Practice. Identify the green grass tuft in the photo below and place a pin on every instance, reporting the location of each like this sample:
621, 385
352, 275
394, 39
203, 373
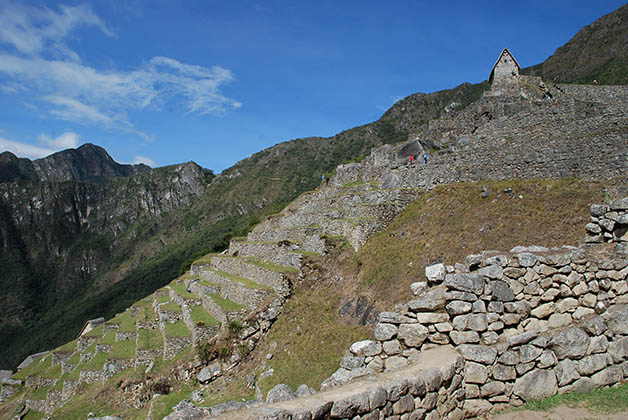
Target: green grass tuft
226, 304
124, 349
200, 315
177, 329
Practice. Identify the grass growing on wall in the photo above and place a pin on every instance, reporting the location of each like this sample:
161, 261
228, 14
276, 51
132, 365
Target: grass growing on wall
601, 400
453, 221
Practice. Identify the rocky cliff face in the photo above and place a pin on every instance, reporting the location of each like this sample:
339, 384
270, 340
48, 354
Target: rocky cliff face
65, 238
87, 163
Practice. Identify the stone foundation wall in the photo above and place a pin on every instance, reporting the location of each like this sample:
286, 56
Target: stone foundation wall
60, 358
92, 376
173, 345
252, 272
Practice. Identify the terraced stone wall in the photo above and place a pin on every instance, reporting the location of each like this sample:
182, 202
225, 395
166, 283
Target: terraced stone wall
581, 133
529, 323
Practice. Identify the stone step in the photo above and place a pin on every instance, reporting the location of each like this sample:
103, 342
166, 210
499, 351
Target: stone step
262, 273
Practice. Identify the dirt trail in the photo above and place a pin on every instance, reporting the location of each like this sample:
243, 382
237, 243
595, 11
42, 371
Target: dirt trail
558, 413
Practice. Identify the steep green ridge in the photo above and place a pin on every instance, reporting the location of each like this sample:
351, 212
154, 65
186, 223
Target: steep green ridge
59, 271
598, 51
49, 293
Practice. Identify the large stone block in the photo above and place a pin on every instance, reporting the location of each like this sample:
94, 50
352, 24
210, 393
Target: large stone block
478, 353
571, 343
412, 334
616, 319
465, 282
536, 384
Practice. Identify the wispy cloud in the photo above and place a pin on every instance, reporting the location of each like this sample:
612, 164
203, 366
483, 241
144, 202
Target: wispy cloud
32, 30
68, 140
145, 160
38, 65
48, 145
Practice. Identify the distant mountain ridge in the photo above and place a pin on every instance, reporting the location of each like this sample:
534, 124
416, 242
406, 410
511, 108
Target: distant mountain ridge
87, 163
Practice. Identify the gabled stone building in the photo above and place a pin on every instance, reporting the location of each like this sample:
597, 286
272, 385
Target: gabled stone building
506, 68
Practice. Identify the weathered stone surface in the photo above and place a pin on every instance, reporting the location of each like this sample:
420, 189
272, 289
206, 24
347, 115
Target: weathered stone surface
478, 353
609, 376
465, 337
458, 307
591, 364
396, 362
570, 343
474, 408
418, 287
491, 271
566, 372
619, 204
366, 348
280, 392
209, 372
536, 384
616, 317
492, 388
504, 373
384, 332
502, 291
509, 358
431, 317
618, 349
517, 340
432, 378
350, 406
528, 353
475, 373
547, 359
465, 282
392, 347
543, 311
435, 273
377, 398
412, 334
404, 405
433, 300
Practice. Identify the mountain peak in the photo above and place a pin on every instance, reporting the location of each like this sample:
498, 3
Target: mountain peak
88, 162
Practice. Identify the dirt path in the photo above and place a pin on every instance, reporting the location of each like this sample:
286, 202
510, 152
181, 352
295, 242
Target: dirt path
559, 413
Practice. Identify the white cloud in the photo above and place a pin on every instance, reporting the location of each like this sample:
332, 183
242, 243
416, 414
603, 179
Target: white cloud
43, 69
24, 150
145, 160
68, 140
30, 30
47, 145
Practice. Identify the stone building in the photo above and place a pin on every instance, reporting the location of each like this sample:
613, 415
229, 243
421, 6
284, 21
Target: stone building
505, 69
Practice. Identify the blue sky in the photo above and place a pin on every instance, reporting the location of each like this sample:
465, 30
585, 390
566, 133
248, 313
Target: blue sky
164, 82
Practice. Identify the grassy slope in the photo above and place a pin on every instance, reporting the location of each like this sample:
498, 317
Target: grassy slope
453, 221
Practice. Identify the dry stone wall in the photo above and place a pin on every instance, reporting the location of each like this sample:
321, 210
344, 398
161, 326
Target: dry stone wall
529, 323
